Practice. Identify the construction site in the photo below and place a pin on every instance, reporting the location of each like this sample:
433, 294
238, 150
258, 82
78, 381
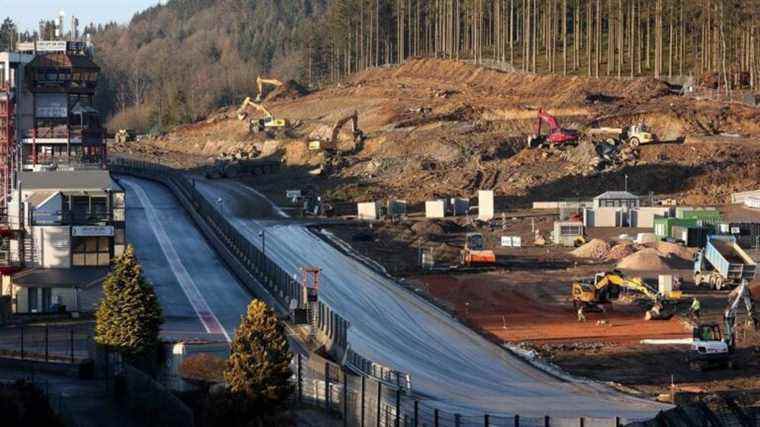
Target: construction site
574, 221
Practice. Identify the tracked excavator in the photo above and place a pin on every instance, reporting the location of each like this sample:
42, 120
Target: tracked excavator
320, 141
557, 135
269, 125
605, 288
712, 347
260, 82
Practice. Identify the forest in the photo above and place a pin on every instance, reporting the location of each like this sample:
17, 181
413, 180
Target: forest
177, 62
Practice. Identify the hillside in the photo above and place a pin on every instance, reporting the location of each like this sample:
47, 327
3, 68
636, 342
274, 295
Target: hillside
446, 128
174, 63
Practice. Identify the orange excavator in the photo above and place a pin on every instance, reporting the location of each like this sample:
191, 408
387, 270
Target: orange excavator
557, 135
475, 252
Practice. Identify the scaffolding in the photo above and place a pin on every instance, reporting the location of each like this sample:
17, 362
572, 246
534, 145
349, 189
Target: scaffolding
7, 148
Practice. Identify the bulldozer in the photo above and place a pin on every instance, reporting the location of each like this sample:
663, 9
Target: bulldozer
475, 252
321, 139
268, 125
605, 287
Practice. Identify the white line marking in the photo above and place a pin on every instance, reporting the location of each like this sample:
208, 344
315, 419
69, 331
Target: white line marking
199, 304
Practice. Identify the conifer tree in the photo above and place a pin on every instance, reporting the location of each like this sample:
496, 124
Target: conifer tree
129, 317
258, 369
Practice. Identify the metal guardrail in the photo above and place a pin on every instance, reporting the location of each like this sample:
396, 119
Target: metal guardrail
377, 396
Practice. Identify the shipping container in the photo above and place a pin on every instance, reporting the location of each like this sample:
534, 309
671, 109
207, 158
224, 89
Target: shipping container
704, 215
694, 237
685, 212
663, 226
745, 228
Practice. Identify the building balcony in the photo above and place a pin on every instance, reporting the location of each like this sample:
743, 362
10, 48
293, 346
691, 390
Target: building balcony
66, 134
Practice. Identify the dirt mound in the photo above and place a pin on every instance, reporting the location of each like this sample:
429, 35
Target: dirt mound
427, 228
291, 89
596, 249
558, 90
620, 251
675, 250
648, 259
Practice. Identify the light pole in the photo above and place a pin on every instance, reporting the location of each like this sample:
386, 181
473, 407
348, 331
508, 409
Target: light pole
220, 202
626, 183
263, 236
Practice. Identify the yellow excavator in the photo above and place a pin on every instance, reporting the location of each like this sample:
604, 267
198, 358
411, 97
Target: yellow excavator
605, 288
324, 139
260, 82
269, 124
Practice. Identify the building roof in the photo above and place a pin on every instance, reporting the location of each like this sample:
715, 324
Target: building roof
616, 195
40, 197
83, 180
63, 60
81, 277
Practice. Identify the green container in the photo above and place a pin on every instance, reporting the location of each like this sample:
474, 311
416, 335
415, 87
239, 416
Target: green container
663, 227
706, 216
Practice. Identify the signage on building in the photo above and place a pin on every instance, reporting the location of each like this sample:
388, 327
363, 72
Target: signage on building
511, 241
92, 230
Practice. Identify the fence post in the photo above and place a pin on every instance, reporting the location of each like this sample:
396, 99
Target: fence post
617, 421
581, 422
299, 378
486, 420
435, 418
547, 421
457, 420
517, 420
327, 386
364, 379
379, 398
71, 343
46, 342
416, 413
22, 341
345, 398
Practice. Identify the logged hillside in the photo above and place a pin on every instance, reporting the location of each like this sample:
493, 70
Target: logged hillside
440, 128
175, 63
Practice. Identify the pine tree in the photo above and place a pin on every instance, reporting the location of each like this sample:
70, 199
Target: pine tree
129, 316
258, 369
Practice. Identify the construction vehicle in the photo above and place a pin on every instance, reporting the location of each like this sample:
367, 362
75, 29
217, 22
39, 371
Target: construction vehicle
124, 136
475, 252
320, 139
269, 125
634, 135
605, 288
723, 263
260, 82
710, 347
557, 136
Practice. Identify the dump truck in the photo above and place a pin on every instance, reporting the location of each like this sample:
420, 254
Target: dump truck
634, 135
723, 263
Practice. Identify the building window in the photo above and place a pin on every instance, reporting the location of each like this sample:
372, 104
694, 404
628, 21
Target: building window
33, 303
91, 251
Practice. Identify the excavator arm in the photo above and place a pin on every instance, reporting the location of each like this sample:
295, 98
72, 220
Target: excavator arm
354, 119
260, 82
600, 292
242, 112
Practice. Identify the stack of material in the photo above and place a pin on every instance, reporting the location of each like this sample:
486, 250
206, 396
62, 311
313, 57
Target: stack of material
620, 251
596, 249
648, 259
675, 250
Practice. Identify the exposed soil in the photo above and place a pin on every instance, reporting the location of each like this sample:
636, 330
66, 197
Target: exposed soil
445, 128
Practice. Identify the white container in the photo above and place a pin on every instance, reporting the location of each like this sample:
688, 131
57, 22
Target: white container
435, 209
485, 205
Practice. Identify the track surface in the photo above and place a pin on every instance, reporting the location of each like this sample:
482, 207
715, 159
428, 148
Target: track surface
457, 370
199, 297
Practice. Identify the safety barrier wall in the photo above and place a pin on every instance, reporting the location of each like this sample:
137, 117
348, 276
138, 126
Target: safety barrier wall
378, 395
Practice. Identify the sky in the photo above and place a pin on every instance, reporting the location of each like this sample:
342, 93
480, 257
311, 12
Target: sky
27, 13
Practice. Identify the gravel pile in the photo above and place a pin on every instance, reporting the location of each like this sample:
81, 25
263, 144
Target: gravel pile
596, 249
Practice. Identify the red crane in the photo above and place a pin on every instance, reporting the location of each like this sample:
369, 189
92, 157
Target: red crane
556, 136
